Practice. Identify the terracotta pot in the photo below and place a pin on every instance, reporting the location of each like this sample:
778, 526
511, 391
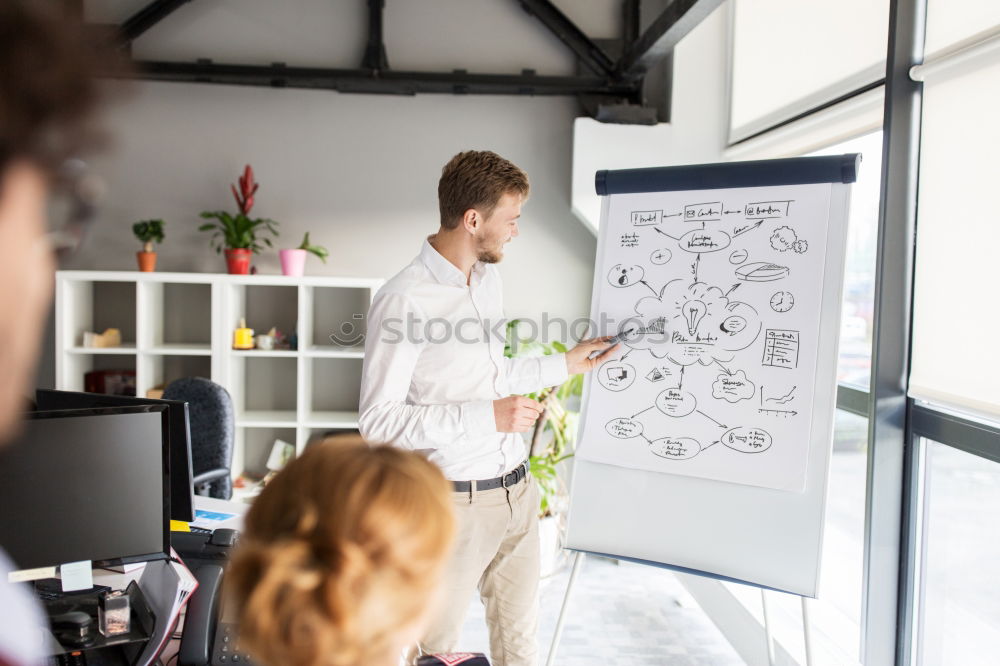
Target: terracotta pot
147, 261
293, 262
238, 260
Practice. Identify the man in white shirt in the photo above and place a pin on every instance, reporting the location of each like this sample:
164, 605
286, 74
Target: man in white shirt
436, 380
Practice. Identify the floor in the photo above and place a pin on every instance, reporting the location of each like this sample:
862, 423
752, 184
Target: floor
623, 615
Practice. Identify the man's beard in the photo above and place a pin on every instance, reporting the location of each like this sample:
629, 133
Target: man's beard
488, 256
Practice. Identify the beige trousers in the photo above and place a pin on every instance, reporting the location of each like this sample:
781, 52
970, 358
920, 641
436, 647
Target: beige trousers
497, 551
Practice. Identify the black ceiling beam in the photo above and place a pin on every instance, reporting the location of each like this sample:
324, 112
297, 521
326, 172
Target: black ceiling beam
375, 58
146, 18
592, 55
384, 82
663, 34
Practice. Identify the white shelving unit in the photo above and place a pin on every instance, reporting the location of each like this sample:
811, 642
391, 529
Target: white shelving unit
181, 324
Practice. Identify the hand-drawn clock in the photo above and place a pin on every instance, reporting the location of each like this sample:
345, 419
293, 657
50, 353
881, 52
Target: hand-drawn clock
782, 301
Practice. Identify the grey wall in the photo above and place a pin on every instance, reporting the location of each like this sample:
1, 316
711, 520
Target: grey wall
358, 171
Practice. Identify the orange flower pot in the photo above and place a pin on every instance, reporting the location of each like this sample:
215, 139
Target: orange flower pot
238, 260
147, 261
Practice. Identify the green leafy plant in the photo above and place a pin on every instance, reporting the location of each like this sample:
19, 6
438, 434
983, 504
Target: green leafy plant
240, 231
148, 232
318, 250
554, 438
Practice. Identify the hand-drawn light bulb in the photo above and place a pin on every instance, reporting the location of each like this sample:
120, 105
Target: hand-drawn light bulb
693, 311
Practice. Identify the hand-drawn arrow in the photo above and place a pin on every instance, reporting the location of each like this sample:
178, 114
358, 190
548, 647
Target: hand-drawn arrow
655, 293
711, 445
716, 361
732, 289
642, 412
732, 212
740, 232
625, 355
660, 231
680, 383
645, 438
665, 214
721, 425
694, 267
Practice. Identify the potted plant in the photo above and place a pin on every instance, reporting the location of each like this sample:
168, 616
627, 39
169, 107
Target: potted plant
238, 234
553, 441
293, 261
148, 232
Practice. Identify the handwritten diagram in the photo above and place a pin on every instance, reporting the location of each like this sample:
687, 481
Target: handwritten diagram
718, 299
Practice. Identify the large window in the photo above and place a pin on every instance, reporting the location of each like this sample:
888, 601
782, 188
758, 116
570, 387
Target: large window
790, 56
955, 318
959, 592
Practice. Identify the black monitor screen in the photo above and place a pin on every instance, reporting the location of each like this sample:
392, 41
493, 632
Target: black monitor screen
181, 492
86, 485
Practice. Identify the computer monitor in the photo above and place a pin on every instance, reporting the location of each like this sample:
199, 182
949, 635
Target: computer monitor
86, 484
181, 468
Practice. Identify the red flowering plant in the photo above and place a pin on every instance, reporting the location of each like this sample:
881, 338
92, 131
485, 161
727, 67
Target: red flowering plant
240, 231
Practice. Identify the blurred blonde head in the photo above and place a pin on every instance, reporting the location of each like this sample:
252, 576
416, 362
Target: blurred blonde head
341, 555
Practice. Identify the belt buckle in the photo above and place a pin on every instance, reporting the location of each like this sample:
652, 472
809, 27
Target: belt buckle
503, 480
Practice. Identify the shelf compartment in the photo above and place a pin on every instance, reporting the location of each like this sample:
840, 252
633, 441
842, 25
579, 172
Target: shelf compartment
264, 384
334, 388
339, 317
175, 314
257, 444
77, 365
97, 306
266, 306
159, 370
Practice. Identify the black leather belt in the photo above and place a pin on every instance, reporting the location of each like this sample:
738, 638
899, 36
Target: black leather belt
512, 478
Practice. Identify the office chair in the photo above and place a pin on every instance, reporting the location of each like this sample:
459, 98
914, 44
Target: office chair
213, 427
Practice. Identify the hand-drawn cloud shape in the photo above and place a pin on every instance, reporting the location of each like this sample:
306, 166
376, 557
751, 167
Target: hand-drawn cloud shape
734, 387
625, 276
694, 323
747, 440
624, 428
675, 448
784, 239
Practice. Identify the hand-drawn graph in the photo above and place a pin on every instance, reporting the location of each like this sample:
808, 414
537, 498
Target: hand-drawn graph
716, 297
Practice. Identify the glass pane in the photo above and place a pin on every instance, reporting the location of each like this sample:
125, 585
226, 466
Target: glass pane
786, 52
955, 318
836, 613
950, 21
959, 589
854, 366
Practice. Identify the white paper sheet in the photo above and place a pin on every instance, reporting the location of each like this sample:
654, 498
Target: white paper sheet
721, 293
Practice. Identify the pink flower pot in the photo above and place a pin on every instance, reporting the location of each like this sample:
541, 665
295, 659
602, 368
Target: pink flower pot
238, 260
293, 262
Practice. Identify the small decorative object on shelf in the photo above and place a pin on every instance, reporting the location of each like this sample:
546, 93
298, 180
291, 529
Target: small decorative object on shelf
293, 261
243, 336
112, 382
111, 337
265, 341
239, 235
148, 232
114, 613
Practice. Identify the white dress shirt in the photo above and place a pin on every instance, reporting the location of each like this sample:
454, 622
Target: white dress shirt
434, 364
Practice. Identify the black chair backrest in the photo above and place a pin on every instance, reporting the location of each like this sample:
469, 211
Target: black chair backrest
213, 428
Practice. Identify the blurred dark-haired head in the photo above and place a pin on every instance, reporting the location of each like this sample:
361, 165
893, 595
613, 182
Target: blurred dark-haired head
48, 98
